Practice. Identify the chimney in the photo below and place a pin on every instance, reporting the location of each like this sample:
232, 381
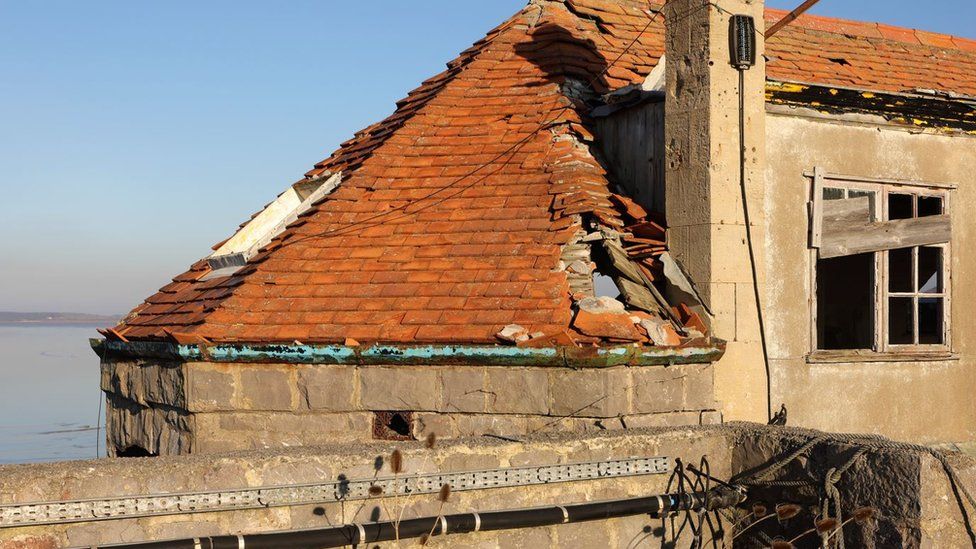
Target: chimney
706, 220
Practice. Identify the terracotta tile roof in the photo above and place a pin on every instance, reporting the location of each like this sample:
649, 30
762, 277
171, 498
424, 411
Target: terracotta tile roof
870, 56
453, 212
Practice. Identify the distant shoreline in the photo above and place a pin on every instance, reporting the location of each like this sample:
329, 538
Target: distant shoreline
57, 319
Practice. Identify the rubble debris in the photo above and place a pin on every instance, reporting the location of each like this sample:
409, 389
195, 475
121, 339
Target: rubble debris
560, 339
513, 333
600, 305
660, 333
678, 287
615, 326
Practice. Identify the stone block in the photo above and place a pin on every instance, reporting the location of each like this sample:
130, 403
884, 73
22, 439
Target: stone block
181, 528
442, 425
399, 388
162, 431
658, 389
699, 390
518, 390
209, 387
528, 538
267, 387
470, 462
145, 381
480, 425
328, 388
590, 393
583, 534
98, 533
30, 541
670, 419
464, 390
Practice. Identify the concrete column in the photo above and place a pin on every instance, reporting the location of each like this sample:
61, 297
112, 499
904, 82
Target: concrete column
707, 227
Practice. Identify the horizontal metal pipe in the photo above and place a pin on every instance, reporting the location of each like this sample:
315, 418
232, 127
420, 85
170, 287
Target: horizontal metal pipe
357, 534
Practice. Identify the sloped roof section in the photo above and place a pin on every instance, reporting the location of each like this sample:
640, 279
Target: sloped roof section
869, 56
453, 213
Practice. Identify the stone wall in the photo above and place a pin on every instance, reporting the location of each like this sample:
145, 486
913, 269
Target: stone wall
168, 407
134, 476
917, 506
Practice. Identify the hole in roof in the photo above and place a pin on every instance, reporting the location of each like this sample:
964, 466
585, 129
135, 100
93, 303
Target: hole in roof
604, 286
839, 60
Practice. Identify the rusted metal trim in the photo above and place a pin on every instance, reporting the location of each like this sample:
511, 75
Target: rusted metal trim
700, 351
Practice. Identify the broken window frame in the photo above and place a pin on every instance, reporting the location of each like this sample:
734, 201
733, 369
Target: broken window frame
882, 293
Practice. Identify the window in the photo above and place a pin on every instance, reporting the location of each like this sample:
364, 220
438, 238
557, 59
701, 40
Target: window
881, 266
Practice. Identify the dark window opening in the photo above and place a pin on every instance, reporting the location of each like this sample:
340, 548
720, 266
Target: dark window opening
845, 302
901, 206
393, 425
929, 205
135, 452
930, 315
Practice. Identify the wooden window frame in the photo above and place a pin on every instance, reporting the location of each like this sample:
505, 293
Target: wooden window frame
882, 349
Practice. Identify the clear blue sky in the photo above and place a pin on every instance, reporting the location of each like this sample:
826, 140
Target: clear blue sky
134, 135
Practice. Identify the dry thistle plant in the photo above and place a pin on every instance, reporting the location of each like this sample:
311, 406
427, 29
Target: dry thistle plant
786, 511
824, 527
865, 514
377, 467
396, 466
429, 442
782, 512
862, 515
442, 496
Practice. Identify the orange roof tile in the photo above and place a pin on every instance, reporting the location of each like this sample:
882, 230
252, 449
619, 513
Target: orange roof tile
452, 212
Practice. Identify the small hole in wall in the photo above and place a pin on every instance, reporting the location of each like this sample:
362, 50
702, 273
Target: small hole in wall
392, 425
134, 452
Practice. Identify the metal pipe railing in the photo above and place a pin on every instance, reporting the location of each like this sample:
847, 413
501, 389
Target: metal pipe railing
358, 534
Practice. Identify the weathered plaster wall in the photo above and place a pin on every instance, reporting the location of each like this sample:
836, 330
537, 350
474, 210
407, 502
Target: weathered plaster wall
917, 401
168, 407
119, 477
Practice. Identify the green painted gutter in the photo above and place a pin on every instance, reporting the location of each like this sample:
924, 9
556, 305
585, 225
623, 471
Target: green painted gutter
482, 355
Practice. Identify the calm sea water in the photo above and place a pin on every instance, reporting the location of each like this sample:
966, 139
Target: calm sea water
49, 394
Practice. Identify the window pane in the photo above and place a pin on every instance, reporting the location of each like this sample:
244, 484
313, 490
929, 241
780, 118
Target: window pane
900, 206
901, 315
929, 205
845, 302
930, 270
900, 278
830, 193
930, 320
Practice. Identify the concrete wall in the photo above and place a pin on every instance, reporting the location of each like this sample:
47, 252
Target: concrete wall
168, 407
118, 477
924, 401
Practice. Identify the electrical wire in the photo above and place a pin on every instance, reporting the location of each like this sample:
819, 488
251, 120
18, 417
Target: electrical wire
749, 243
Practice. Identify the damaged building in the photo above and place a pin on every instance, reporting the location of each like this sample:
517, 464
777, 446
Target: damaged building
600, 216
